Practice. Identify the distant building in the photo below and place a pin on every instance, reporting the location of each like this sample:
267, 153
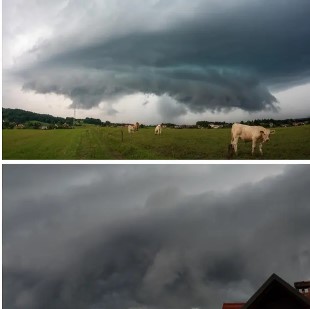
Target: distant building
275, 293
297, 124
215, 126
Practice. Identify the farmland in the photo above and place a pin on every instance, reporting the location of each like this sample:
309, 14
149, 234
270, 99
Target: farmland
104, 143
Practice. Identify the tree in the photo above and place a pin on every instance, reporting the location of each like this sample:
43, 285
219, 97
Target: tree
70, 121
92, 121
8, 125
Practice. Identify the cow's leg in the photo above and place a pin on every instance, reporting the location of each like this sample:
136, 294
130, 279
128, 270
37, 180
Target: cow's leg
253, 146
261, 148
235, 144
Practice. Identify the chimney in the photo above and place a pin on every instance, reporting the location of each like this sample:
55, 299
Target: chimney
303, 287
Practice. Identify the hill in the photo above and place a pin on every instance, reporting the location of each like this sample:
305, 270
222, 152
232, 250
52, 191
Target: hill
19, 116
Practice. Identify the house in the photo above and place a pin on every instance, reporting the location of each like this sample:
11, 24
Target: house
303, 287
297, 124
215, 126
275, 293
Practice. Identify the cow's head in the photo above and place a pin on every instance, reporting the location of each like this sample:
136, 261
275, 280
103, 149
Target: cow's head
265, 134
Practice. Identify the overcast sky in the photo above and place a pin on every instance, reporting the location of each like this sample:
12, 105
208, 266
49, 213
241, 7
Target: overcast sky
151, 236
157, 61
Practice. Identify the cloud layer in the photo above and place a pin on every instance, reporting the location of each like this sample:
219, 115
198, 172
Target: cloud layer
150, 236
204, 55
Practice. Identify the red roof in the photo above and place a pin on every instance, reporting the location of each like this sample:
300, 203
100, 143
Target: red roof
233, 305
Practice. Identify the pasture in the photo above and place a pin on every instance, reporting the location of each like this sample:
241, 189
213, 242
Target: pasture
102, 143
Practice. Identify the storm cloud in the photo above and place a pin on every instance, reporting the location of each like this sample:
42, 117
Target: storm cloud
150, 236
203, 55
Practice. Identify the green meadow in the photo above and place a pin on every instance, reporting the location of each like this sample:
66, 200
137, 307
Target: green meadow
102, 143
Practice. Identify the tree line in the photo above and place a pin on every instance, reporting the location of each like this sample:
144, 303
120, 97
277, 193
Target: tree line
257, 122
15, 117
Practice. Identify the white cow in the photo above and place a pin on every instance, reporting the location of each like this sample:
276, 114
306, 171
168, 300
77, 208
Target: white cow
131, 129
254, 134
158, 129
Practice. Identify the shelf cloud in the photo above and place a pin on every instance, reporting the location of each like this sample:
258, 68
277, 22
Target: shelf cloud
150, 236
204, 55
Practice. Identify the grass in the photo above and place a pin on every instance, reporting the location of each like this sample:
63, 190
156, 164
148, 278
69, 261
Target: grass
96, 143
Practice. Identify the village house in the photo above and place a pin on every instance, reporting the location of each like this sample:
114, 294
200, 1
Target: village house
275, 293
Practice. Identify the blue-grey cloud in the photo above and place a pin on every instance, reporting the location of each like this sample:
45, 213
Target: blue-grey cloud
218, 58
115, 240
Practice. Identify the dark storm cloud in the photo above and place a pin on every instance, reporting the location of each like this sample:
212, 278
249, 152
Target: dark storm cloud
222, 57
119, 241
169, 109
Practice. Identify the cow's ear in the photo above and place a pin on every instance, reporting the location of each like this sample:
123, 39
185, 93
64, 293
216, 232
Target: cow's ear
272, 131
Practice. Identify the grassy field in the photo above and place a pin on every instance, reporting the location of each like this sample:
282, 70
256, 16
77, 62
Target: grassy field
96, 143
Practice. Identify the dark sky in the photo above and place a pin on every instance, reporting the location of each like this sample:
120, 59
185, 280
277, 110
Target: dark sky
150, 236
204, 55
